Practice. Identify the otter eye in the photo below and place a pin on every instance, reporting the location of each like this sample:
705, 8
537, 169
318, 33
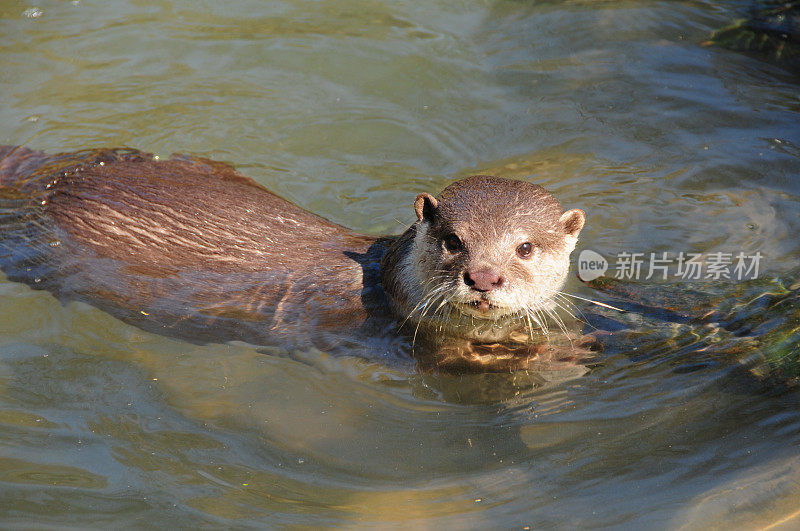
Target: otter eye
525, 250
452, 243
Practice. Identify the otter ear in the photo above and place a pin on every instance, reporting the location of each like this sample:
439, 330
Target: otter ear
425, 205
572, 221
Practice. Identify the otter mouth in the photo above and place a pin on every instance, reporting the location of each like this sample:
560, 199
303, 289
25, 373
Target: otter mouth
481, 308
482, 305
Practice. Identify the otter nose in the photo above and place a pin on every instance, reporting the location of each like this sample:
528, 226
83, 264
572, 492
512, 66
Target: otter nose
483, 280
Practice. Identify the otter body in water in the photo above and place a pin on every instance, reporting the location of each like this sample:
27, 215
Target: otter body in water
190, 247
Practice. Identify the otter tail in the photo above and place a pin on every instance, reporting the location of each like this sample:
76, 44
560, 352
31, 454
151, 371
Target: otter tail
24, 240
17, 162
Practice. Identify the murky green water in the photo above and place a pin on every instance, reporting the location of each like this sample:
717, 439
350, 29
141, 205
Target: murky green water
350, 108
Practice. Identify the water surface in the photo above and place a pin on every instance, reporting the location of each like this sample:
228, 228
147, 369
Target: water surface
350, 108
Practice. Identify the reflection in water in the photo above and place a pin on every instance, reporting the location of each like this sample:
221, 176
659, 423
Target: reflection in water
349, 110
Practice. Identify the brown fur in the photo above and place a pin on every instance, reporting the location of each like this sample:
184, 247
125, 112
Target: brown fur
191, 247
186, 244
491, 217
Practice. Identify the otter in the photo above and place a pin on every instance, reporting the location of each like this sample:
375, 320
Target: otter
190, 247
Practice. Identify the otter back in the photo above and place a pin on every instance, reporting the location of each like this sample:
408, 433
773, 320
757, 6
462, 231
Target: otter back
186, 244
192, 248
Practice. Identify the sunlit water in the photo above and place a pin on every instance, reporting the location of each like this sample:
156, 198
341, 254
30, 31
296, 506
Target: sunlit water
350, 108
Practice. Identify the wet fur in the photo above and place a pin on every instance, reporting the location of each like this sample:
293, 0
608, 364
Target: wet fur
190, 247
185, 245
491, 216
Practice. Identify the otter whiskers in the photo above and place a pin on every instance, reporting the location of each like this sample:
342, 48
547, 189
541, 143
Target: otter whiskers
598, 303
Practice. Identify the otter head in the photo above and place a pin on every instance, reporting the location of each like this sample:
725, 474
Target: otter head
489, 250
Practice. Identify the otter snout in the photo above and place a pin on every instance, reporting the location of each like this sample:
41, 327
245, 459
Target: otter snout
483, 280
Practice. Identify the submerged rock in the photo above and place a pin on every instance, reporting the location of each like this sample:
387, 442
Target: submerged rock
770, 29
754, 324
